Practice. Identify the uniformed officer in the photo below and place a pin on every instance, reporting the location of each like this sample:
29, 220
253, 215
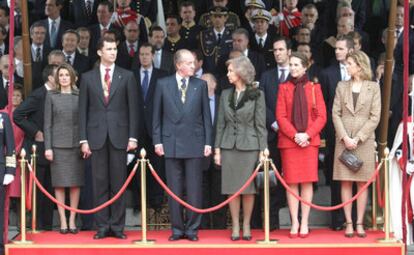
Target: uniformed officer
216, 42
251, 6
7, 166
189, 31
262, 40
174, 41
233, 21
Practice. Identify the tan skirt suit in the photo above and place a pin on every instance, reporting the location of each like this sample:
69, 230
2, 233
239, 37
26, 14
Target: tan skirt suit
357, 120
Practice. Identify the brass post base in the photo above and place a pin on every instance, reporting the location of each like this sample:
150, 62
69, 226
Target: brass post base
26, 242
144, 242
36, 231
384, 240
271, 241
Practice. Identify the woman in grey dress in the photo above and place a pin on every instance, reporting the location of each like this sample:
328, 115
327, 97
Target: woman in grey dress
241, 137
61, 134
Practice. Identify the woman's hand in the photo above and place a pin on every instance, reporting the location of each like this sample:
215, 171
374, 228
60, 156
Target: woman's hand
350, 144
49, 155
302, 139
217, 158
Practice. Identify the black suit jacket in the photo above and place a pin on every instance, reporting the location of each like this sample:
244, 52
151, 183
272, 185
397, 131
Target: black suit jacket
269, 83
63, 26
4, 93
182, 129
123, 58
329, 78
117, 119
167, 62
29, 116
79, 16
146, 105
7, 149
81, 64
258, 63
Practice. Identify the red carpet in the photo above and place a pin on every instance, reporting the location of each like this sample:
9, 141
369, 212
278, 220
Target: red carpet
319, 242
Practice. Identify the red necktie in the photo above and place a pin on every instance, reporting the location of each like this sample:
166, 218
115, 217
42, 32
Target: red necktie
107, 80
131, 50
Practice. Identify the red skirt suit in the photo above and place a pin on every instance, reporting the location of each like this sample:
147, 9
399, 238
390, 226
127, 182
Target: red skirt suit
300, 165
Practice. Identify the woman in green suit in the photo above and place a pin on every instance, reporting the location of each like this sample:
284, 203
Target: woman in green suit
241, 137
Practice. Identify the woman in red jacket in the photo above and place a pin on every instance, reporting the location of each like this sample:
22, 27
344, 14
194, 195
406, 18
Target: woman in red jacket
301, 115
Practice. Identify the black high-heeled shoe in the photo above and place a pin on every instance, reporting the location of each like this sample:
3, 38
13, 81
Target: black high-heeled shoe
361, 234
74, 231
235, 235
63, 231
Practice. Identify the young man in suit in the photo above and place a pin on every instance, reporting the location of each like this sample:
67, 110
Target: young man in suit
29, 117
83, 12
56, 26
147, 76
108, 121
269, 83
7, 167
182, 133
329, 78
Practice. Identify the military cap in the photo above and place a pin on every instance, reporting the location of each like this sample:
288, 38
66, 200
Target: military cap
261, 14
255, 3
219, 10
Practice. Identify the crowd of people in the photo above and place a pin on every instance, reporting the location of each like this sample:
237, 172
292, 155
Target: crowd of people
108, 82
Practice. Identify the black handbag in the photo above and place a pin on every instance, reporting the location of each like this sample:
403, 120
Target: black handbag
350, 160
260, 180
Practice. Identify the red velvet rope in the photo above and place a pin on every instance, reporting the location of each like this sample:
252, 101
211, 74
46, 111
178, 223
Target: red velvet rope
90, 211
29, 193
198, 210
326, 208
380, 195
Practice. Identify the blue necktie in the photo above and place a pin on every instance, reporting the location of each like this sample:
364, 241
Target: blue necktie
53, 34
145, 84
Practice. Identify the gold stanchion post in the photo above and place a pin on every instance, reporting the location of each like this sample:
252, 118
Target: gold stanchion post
374, 202
143, 163
23, 162
387, 238
34, 197
266, 201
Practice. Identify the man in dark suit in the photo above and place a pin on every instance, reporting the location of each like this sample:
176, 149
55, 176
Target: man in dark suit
269, 83
212, 175
182, 133
80, 63
329, 78
83, 12
189, 29
108, 121
29, 117
56, 26
7, 167
39, 51
104, 13
162, 59
147, 75
128, 49
241, 43
5, 80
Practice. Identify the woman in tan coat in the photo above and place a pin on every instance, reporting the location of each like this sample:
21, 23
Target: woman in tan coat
356, 114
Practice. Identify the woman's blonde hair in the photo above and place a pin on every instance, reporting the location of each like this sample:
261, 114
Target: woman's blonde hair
72, 74
362, 60
243, 68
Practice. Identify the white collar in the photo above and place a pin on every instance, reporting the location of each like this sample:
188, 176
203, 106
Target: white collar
51, 20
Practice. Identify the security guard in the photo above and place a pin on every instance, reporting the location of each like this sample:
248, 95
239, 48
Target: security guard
216, 42
7, 166
233, 21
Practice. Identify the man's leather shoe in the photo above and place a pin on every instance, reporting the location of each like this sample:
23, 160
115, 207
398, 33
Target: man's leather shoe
192, 238
175, 237
100, 235
119, 235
